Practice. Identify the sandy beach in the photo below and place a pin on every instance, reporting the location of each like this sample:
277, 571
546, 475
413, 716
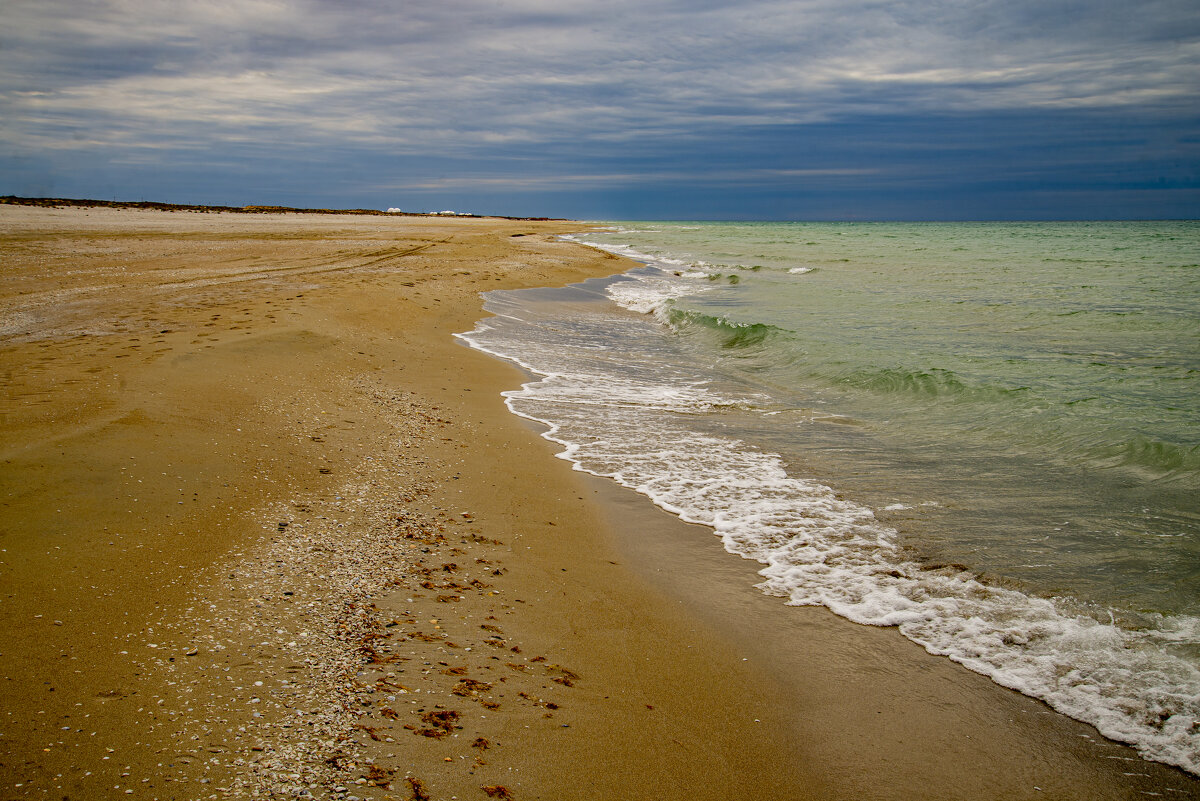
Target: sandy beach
268, 530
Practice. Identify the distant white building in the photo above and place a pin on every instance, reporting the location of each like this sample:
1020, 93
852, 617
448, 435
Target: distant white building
395, 211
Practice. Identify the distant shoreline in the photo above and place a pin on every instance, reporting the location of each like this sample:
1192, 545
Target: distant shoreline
66, 202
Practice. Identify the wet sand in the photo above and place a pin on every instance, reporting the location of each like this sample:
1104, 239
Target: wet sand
268, 530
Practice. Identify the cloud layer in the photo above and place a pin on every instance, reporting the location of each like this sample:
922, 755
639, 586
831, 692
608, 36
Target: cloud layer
494, 99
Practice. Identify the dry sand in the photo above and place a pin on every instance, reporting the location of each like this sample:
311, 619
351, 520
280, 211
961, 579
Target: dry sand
266, 529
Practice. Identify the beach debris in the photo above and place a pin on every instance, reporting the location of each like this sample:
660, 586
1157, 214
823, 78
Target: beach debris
363, 570
538, 701
438, 724
372, 731
379, 777
497, 791
566, 677
469, 688
419, 793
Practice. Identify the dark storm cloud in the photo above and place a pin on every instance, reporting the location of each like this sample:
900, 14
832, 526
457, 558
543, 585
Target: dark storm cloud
386, 102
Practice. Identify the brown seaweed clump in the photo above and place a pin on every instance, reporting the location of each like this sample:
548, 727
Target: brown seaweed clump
419, 793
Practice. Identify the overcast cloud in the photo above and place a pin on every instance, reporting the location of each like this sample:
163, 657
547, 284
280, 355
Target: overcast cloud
780, 108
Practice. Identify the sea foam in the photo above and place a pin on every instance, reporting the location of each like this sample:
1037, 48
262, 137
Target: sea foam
637, 427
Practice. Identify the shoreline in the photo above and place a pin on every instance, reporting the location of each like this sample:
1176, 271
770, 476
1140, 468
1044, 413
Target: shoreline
432, 603
204, 416
154, 205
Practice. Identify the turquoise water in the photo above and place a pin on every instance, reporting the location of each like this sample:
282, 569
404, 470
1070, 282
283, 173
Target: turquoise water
1030, 355
986, 434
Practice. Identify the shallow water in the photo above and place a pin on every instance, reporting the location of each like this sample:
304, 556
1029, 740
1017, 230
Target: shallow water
985, 434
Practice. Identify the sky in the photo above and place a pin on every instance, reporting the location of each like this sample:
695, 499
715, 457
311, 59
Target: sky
626, 109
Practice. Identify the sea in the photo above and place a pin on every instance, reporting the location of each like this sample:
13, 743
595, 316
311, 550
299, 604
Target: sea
984, 434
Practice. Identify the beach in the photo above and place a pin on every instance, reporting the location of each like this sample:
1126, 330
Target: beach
268, 530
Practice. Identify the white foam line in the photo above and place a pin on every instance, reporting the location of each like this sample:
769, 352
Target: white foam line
818, 549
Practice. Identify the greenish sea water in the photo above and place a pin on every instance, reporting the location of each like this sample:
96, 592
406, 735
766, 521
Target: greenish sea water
986, 434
